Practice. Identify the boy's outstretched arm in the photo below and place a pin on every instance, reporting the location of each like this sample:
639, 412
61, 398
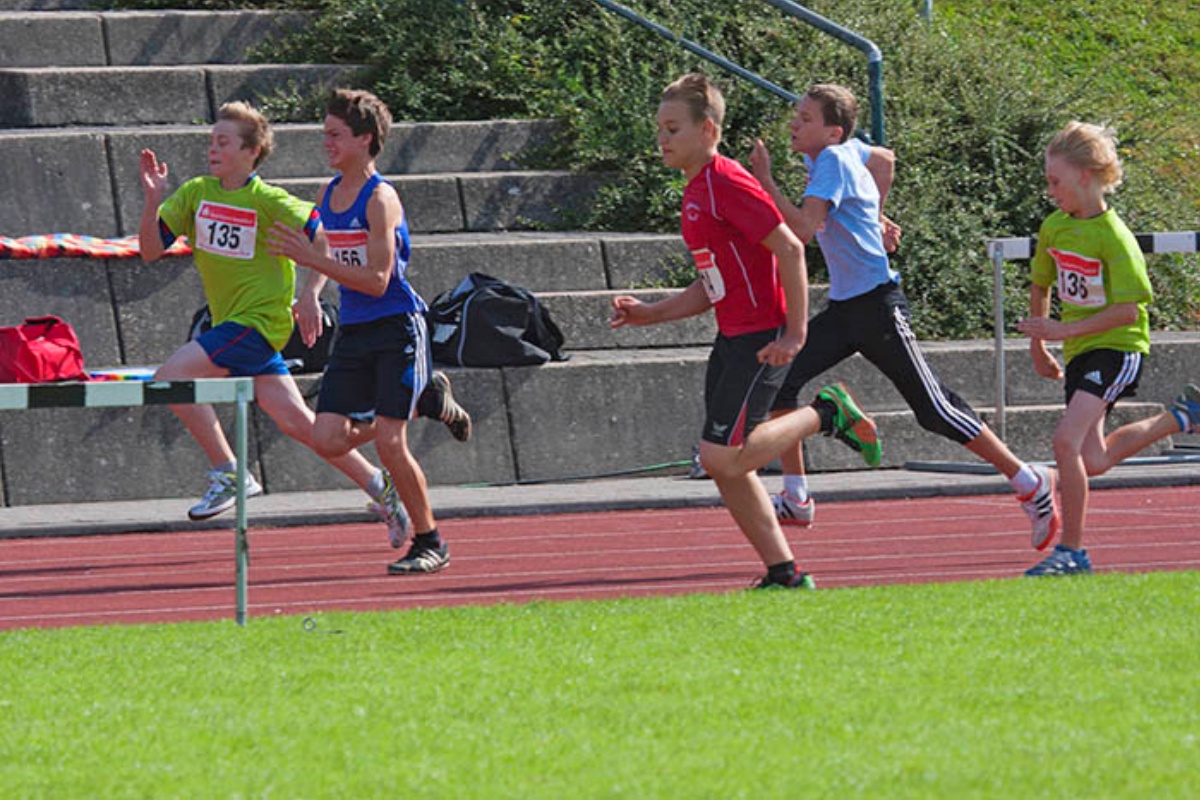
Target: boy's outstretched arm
793, 276
1044, 363
805, 219
154, 182
628, 310
882, 165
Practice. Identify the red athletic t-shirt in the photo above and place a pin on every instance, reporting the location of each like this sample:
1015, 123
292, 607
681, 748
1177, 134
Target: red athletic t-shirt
726, 215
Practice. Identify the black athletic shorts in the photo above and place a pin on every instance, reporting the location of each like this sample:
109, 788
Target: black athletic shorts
1107, 374
738, 390
377, 367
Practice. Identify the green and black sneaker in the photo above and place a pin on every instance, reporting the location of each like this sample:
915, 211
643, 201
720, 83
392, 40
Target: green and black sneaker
851, 425
801, 580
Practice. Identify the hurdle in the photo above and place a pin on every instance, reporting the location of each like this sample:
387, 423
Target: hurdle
108, 394
1023, 248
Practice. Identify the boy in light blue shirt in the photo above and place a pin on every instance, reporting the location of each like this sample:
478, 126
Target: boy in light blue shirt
868, 313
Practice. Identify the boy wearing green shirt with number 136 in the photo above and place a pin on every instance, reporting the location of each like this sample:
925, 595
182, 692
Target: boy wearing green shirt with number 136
1087, 253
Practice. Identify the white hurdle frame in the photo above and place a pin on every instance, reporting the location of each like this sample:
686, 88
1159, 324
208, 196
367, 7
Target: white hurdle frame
107, 394
1022, 249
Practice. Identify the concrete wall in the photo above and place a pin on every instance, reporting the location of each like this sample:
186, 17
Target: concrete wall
628, 401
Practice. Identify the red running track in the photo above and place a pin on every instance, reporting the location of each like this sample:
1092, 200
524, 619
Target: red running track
175, 577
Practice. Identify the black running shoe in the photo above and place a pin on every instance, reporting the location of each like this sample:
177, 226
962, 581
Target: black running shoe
801, 580
421, 559
437, 402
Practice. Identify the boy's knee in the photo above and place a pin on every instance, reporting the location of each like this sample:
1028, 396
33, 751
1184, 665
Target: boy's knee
720, 462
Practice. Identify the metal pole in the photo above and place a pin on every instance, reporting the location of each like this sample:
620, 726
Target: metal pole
998, 312
242, 543
706, 54
874, 58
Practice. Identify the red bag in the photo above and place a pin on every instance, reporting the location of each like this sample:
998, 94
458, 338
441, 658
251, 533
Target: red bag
40, 350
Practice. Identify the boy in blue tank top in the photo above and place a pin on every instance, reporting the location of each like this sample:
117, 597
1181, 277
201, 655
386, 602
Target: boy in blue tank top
380, 365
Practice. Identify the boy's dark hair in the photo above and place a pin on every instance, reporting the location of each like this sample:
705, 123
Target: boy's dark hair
838, 106
363, 112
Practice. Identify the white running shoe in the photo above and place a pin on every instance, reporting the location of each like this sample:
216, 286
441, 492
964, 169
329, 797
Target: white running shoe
222, 494
1041, 506
391, 510
791, 512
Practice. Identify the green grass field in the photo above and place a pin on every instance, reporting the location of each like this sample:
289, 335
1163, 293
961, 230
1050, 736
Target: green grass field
1056, 688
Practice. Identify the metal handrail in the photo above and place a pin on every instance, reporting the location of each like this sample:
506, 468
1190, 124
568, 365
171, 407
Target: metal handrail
874, 56
703, 52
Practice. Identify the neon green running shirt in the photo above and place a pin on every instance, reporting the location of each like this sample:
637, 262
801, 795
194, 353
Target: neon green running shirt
227, 230
1094, 263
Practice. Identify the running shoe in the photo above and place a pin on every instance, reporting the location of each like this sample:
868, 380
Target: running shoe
1187, 409
801, 580
851, 425
222, 494
391, 511
1062, 561
791, 512
1041, 506
696, 470
437, 402
421, 559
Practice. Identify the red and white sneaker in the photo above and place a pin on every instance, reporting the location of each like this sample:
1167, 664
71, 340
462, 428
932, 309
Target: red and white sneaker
792, 512
1041, 506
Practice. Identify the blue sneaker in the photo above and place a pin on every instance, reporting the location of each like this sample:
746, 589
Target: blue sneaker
1062, 561
1187, 409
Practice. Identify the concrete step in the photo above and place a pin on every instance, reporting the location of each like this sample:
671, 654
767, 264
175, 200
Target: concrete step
134, 314
46, 5
43, 97
135, 38
625, 411
485, 201
101, 167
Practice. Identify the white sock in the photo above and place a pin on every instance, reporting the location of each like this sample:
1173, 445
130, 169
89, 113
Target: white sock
1025, 481
796, 487
375, 487
228, 466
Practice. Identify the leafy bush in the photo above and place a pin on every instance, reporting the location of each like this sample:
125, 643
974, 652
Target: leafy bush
971, 101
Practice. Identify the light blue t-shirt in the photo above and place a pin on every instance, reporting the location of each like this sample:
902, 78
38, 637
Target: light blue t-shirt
851, 238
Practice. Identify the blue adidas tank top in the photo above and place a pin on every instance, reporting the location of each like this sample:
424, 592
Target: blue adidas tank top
347, 232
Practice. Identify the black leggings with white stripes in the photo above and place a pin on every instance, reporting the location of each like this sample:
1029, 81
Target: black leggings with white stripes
878, 325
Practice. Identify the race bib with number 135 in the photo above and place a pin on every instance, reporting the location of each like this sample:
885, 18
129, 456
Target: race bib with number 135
226, 230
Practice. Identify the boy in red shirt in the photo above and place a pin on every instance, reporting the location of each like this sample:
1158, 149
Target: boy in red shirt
753, 274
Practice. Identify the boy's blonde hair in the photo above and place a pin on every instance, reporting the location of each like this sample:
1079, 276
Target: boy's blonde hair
362, 112
1090, 147
255, 130
700, 95
838, 106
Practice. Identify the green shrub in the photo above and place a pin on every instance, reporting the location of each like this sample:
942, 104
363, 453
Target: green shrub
971, 101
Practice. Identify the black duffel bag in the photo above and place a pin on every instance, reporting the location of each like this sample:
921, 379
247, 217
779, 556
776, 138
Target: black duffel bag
486, 322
